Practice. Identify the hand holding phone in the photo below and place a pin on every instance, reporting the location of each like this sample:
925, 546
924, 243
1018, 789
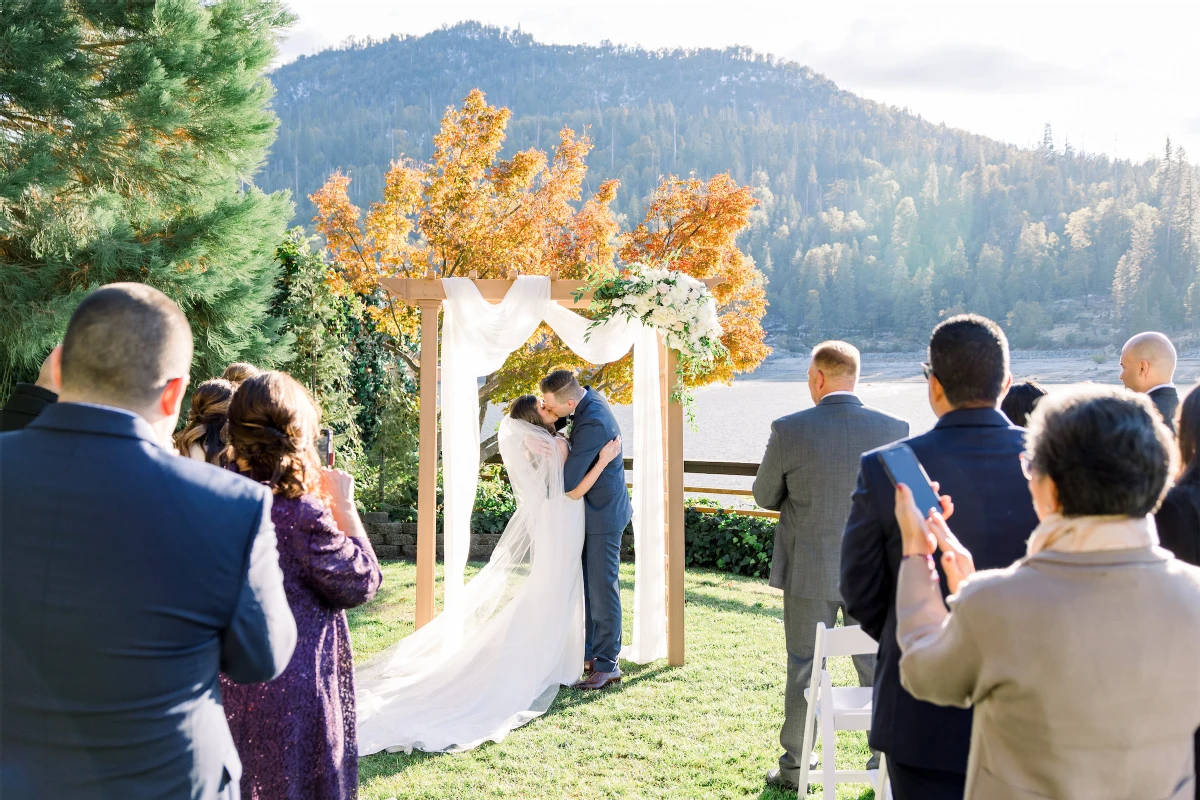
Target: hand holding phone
325, 447
901, 465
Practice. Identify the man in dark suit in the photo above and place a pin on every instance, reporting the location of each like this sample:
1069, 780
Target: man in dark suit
130, 576
28, 400
607, 510
1148, 367
974, 452
807, 474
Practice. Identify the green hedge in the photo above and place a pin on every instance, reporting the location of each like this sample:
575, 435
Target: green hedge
729, 542
725, 540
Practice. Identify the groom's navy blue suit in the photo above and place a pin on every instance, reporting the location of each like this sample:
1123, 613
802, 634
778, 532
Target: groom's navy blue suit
607, 511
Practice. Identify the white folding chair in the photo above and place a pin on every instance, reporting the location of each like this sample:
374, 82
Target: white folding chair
842, 708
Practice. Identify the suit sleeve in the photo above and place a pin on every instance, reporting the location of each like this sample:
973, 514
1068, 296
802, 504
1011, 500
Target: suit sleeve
257, 645
865, 581
1172, 524
940, 659
587, 439
770, 488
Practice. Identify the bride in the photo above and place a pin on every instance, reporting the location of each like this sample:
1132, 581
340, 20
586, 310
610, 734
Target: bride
465, 679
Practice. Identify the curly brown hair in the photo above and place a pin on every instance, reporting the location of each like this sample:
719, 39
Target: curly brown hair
206, 418
273, 425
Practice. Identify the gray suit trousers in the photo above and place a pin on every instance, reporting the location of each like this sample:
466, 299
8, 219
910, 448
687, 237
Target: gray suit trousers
800, 618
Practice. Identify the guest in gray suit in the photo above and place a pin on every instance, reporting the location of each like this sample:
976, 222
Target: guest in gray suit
808, 474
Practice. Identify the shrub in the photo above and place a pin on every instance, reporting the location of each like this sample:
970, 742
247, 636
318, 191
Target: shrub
724, 540
1099, 358
494, 502
729, 541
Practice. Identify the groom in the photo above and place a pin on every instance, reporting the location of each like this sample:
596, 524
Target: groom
607, 511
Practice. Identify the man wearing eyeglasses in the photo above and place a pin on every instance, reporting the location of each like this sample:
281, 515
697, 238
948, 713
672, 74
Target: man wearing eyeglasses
973, 452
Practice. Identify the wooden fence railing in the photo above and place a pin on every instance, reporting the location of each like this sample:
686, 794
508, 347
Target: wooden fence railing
742, 468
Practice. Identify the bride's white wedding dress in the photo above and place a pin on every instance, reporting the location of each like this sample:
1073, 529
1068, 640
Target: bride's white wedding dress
467, 678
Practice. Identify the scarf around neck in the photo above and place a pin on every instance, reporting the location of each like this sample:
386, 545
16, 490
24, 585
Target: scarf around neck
1089, 534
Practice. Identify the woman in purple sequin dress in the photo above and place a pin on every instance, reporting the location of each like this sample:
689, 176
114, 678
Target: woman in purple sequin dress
296, 734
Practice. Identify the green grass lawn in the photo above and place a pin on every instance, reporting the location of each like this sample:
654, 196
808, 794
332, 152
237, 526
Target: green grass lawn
709, 729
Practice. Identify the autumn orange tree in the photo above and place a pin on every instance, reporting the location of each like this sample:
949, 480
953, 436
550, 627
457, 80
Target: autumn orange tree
470, 211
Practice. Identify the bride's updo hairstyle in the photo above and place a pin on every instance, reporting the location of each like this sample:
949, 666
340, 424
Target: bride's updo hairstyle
206, 417
272, 432
525, 408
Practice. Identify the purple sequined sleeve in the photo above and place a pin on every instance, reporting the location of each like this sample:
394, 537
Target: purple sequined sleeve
339, 568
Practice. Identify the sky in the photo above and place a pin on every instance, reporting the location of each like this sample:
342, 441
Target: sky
1111, 77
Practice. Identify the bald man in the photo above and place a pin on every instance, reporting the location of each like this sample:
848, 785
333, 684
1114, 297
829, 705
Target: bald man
1148, 367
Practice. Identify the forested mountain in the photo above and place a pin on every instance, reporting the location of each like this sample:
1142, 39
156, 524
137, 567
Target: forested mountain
873, 222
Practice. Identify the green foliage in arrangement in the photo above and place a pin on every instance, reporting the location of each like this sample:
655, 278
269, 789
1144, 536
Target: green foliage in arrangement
728, 541
873, 222
129, 133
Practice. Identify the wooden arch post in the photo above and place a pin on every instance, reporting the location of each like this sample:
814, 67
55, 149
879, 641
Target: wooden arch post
427, 294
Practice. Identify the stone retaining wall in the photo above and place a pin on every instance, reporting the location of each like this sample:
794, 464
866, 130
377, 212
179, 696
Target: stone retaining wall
393, 540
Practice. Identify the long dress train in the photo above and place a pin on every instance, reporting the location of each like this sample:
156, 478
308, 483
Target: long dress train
473, 676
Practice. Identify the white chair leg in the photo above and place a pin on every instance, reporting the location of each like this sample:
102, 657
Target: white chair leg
828, 739
814, 695
883, 789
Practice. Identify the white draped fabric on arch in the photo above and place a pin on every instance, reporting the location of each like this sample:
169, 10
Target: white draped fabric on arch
477, 337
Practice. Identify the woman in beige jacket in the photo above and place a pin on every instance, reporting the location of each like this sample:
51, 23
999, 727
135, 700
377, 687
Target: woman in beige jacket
1082, 660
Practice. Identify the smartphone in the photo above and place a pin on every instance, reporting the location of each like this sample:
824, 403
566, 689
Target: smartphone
325, 447
902, 466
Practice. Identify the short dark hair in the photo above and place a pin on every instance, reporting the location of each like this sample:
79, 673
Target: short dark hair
1188, 425
1106, 449
969, 356
837, 359
1021, 400
560, 380
124, 342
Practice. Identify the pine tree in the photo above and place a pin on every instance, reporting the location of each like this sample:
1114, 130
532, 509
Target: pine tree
128, 132
315, 319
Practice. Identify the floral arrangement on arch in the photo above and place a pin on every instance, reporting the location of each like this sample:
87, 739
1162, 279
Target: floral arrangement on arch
673, 303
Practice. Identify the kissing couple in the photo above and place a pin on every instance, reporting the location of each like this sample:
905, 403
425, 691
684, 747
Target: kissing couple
546, 606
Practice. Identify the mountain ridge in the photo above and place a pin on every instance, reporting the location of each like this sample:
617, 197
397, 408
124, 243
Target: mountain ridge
834, 173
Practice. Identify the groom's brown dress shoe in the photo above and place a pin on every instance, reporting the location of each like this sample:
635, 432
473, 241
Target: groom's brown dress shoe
599, 680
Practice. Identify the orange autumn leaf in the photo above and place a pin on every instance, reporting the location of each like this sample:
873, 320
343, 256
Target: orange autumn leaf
468, 209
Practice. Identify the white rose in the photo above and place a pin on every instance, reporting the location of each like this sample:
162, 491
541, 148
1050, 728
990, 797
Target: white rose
617, 302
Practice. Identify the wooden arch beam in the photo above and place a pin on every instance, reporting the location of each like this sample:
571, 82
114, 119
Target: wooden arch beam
427, 294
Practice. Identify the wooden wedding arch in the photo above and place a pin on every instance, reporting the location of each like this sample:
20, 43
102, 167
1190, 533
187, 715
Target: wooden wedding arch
427, 294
